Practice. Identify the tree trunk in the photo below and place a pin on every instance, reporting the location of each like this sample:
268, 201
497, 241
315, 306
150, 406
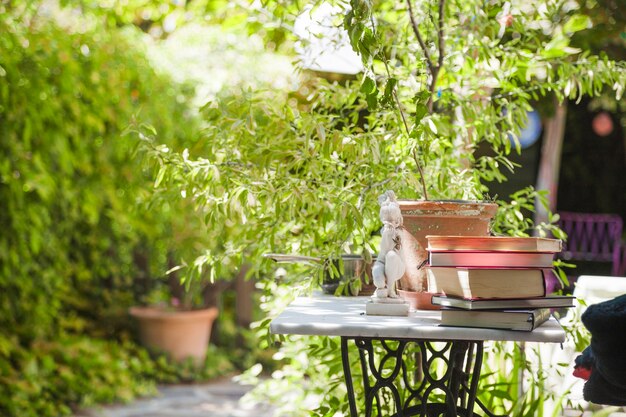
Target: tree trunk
244, 290
550, 162
212, 298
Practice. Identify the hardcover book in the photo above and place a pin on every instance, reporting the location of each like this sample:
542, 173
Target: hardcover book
522, 320
494, 243
488, 283
556, 301
491, 259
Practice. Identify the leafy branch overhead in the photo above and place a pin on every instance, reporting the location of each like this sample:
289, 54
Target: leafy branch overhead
443, 81
273, 175
468, 71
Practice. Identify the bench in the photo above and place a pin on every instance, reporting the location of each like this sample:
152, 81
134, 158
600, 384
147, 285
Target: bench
593, 237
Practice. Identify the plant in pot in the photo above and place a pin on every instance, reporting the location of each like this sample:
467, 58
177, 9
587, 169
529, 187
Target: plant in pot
177, 309
439, 106
176, 321
454, 76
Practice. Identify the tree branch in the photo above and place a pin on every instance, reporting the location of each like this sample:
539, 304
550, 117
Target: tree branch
418, 35
421, 171
441, 52
417, 161
433, 68
403, 116
442, 4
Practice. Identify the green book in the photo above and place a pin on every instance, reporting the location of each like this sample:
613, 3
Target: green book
522, 320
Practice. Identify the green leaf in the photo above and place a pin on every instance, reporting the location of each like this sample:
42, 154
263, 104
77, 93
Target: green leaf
577, 23
558, 47
389, 91
420, 111
501, 394
372, 100
432, 126
368, 86
421, 97
160, 176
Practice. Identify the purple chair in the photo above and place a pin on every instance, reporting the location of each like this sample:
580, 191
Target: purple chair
593, 237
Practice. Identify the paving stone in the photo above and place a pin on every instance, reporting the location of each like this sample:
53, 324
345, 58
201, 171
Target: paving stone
217, 399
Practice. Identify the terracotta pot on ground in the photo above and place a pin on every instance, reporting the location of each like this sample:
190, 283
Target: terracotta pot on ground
181, 334
423, 218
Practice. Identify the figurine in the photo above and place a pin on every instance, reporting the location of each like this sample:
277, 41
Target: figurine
389, 265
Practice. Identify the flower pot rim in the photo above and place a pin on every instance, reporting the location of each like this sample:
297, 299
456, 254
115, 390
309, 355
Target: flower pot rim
469, 206
439, 202
159, 312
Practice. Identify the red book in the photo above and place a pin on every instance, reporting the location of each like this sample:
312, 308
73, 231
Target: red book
491, 259
493, 243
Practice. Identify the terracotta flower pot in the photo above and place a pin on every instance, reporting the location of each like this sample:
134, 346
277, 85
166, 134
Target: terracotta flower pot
181, 334
419, 300
423, 218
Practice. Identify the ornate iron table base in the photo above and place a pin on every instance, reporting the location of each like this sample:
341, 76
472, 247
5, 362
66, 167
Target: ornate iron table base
415, 377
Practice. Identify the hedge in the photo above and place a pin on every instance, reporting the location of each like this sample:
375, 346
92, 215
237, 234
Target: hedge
79, 240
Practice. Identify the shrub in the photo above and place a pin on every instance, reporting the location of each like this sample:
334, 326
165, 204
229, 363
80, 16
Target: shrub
79, 241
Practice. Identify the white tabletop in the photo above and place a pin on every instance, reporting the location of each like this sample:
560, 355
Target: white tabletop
345, 316
595, 289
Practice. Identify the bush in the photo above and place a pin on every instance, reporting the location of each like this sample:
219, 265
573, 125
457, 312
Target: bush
79, 241
50, 377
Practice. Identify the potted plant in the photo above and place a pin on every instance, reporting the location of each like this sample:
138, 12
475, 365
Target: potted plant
176, 321
178, 307
424, 216
301, 171
451, 92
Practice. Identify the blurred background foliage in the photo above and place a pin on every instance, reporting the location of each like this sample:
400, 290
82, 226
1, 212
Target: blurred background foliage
83, 237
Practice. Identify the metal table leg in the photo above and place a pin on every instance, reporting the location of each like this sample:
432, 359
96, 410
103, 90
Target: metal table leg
392, 387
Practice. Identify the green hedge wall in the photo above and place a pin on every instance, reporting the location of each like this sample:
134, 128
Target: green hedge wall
78, 242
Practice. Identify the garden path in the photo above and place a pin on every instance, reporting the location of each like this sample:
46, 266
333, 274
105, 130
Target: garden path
215, 399
221, 399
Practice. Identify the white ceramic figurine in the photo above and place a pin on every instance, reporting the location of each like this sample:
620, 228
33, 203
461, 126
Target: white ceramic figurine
389, 266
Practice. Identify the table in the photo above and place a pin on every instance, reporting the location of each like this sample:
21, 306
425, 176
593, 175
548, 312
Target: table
594, 289
400, 343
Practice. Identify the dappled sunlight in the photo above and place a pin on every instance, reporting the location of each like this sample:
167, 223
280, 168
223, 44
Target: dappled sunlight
213, 59
345, 316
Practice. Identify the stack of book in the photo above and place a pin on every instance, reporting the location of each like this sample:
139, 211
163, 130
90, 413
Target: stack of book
493, 281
